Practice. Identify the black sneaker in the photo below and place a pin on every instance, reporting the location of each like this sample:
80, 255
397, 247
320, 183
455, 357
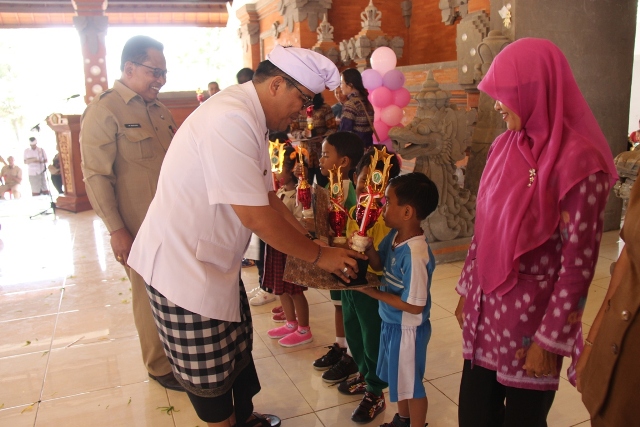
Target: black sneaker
399, 422
355, 385
332, 357
369, 408
341, 371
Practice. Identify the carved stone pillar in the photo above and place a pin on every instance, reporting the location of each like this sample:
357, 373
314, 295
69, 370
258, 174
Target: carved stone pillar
249, 34
67, 129
92, 28
490, 123
325, 44
298, 10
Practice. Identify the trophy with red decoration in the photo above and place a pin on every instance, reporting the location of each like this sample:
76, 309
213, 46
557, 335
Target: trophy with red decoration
199, 95
276, 157
337, 211
303, 191
369, 207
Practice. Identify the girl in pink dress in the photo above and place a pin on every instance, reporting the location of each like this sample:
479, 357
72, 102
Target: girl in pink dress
540, 211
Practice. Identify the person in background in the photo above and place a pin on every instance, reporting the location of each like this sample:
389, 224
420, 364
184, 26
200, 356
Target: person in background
124, 136
607, 371
56, 173
357, 111
11, 179
538, 227
323, 124
192, 241
337, 107
213, 88
36, 159
244, 75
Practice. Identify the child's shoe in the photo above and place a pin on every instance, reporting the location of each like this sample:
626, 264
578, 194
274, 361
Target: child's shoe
332, 357
261, 297
299, 337
356, 385
276, 310
252, 292
369, 408
283, 331
341, 371
279, 317
399, 422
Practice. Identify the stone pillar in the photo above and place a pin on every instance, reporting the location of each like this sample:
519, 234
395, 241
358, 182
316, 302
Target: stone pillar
67, 129
92, 28
602, 46
249, 34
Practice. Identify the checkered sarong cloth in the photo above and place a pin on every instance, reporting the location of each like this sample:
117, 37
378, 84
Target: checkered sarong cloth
206, 354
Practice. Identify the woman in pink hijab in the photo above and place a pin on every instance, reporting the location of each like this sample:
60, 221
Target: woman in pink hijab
539, 218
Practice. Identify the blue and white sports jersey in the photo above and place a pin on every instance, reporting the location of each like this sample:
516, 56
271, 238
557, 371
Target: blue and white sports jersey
407, 273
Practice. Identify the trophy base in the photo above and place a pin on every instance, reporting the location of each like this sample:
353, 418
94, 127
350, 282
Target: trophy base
307, 213
340, 240
363, 265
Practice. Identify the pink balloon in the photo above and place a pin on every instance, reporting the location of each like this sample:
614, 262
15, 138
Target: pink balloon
382, 129
381, 97
401, 97
371, 79
383, 59
391, 115
393, 80
376, 112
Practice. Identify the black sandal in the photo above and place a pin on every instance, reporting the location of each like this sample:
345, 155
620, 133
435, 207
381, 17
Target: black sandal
263, 420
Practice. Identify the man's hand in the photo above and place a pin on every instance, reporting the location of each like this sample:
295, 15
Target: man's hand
459, 311
121, 242
341, 262
540, 362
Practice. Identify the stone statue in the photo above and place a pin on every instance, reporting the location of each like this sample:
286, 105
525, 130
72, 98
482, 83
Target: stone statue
437, 138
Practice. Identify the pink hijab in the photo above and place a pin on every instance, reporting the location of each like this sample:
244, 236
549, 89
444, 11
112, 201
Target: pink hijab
560, 139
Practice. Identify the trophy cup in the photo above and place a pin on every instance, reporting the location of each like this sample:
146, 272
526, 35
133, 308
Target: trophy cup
337, 212
303, 190
276, 156
369, 207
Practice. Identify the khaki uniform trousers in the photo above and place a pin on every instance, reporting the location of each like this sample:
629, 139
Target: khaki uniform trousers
153, 354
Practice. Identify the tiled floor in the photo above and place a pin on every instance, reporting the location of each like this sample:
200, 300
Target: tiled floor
69, 354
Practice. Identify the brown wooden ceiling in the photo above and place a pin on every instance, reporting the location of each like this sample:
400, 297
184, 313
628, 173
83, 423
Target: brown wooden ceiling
57, 13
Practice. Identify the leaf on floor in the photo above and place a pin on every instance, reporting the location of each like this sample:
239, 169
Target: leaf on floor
119, 293
45, 353
123, 279
2, 406
129, 402
168, 409
28, 343
125, 301
28, 408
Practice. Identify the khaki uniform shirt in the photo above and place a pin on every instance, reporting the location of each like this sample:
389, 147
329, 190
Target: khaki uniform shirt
123, 141
11, 175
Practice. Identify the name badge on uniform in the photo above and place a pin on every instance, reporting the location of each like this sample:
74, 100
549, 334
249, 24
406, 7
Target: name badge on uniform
132, 125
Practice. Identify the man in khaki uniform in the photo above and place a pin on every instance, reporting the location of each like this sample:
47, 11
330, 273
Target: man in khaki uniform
12, 177
124, 137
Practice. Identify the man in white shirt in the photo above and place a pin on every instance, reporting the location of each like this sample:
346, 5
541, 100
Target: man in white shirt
36, 158
215, 188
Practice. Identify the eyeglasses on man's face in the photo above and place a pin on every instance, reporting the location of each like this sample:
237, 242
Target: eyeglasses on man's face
308, 100
157, 72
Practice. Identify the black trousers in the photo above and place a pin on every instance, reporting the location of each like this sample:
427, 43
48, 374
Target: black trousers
483, 402
239, 399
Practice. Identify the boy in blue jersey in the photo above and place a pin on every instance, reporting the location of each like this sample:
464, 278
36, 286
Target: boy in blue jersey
404, 298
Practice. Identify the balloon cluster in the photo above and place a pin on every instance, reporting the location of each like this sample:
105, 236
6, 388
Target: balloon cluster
386, 92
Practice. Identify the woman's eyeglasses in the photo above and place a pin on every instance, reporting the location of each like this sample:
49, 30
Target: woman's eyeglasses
308, 100
157, 72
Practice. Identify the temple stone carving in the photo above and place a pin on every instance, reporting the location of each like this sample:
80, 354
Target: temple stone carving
490, 123
407, 7
360, 47
437, 138
471, 30
325, 44
628, 165
298, 10
452, 9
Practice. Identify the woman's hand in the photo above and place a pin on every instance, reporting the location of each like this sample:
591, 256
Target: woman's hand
540, 362
459, 310
582, 362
